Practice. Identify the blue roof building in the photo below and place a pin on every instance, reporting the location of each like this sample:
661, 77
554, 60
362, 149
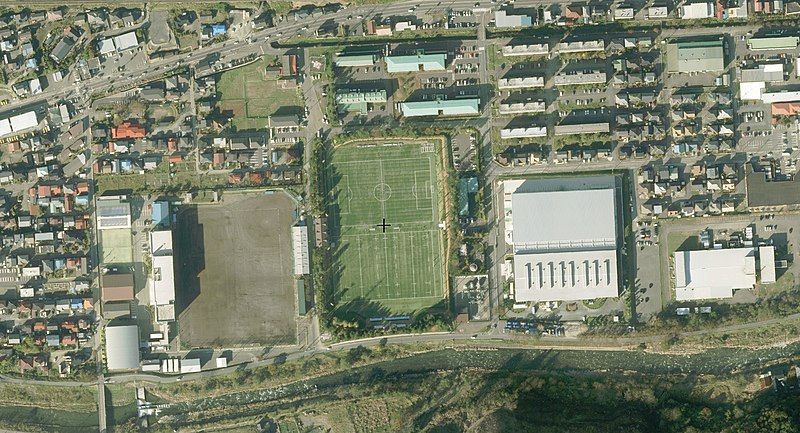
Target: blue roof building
53, 340
82, 200
218, 29
160, 213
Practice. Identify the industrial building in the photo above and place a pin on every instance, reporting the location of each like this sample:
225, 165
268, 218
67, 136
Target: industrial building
416, 63
696, 11
770, 72
122, 347
441, 107
754, 81
767, 43
17, 123
118, 43
190, 365
358, 101
714, 274
766, 264
696, 56
777, 97
162, 275
564, 234
502, 19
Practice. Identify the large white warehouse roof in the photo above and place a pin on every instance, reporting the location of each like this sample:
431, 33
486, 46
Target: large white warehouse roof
556, 276
18, 123
122, 347
125, 41
564, 233
564, 220
710, 274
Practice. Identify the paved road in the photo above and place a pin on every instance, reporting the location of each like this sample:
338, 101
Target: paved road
494, 338
101, 405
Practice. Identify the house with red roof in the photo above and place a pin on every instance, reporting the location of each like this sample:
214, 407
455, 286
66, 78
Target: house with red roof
127, 130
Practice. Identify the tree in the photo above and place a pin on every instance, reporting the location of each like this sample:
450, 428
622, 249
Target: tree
774, 421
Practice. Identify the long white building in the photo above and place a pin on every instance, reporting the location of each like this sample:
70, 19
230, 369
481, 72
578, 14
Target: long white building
523, 107
302, 264
521, 83
532, 131
163, 273
526, 50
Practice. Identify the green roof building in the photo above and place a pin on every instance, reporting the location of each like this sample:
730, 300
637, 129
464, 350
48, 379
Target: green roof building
696, 56
355, 60
416, 63
359, 100
773, 43
453, 107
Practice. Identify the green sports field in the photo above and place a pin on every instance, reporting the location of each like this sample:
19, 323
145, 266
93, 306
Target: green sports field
401, 269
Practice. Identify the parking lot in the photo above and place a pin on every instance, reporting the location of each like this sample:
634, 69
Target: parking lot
647, 281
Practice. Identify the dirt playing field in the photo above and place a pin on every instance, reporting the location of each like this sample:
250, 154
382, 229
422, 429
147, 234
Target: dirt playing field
235, 283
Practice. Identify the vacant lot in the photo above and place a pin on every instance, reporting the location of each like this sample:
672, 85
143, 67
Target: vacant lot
251, 94
235, 260
183, 177
399, 269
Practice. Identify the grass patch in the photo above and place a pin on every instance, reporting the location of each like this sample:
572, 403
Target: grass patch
188, 41
683, 242
595, 304
251, 94
47, 420
67, 398
784, 283
160, 180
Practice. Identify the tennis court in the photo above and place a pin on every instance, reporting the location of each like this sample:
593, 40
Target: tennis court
398, 265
